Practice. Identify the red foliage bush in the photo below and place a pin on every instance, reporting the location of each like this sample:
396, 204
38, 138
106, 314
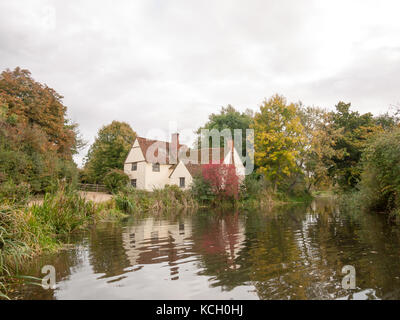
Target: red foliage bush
223, 179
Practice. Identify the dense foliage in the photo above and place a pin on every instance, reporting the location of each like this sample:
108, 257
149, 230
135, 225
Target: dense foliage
278, 139
216, 183
356, 130
380, 177
37, 141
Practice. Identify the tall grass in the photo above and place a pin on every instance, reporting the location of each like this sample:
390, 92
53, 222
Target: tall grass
26, 231
169, 198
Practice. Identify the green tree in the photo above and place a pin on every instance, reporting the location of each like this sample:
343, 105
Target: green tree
109, 150
357, 129
229, 118
278, 139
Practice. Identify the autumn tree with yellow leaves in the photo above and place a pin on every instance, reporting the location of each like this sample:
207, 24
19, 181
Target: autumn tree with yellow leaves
278, 139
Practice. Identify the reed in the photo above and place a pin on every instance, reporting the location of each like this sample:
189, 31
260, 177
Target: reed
26, 231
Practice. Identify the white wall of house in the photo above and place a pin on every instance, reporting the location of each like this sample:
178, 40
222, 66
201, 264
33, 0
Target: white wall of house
156, 180
136, 155
139, 174
181, 172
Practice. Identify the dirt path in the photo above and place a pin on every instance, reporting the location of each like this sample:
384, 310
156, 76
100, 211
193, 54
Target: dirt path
96, 197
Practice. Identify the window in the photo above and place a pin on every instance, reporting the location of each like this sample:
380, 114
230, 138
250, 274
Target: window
156, 167
134, 166
133, 183
182, 182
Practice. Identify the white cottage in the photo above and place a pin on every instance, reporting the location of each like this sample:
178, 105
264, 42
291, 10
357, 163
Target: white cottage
152, 164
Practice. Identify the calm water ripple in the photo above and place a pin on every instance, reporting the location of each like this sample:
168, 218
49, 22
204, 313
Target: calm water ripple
289, 253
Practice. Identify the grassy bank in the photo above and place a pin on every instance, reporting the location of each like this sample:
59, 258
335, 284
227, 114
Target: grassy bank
29, 230
26, 231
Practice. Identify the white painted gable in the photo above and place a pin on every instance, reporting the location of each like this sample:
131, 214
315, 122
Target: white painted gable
135, 154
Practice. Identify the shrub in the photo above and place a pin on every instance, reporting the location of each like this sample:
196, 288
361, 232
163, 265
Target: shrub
380, 180
222, 179
115, 180
252, 186
202, 191
124, 203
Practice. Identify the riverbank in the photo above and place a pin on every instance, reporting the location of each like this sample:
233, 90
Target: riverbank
28, 228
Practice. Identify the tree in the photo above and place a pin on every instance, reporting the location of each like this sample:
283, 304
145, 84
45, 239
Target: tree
109, 150
37, 141
229, 118
33, 104
356, 131
278, 139
319, 148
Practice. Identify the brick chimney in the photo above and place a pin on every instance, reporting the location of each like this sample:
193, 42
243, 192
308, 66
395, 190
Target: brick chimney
173, 148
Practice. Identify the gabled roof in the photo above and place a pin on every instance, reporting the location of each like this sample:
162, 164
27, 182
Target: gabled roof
161, 148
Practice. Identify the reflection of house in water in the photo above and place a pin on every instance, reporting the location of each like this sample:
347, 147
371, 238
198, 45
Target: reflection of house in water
155, 241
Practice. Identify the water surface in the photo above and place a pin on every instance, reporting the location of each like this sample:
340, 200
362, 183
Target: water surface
292, 252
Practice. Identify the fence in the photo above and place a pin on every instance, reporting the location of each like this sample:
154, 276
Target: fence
92, 187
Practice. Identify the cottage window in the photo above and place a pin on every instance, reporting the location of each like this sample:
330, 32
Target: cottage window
134, 166
182, 182
156, 167
133, 183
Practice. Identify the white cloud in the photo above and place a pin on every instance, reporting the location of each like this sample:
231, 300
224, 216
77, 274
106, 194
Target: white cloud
151, 62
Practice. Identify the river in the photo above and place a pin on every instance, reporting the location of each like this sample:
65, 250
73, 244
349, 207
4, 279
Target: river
291, 252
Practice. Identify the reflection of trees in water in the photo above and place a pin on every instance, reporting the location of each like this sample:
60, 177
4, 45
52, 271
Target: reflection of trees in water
106, 251
298, 252
218, 238
292, 252
327, 242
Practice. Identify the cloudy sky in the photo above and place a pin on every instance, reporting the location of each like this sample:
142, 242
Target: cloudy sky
154, 62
